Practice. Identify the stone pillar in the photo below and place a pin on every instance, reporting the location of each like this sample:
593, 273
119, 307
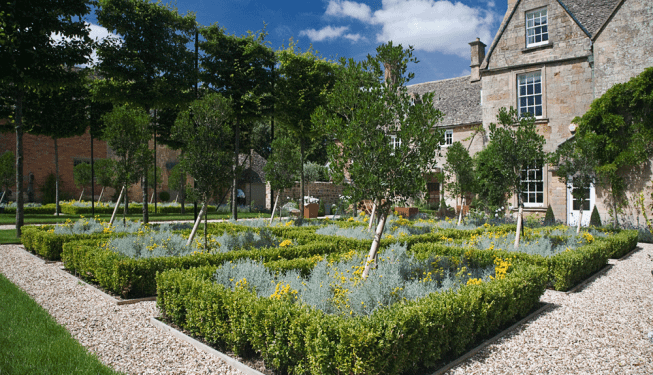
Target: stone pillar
478, 54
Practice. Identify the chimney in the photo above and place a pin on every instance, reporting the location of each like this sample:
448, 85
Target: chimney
478, 54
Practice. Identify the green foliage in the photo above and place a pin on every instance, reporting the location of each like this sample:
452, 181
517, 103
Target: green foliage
82, 174
205, 131
516, 145
460, 170
314, 172
150, 177
164, 196
49, 245
364, 114
549, 218
404, 338
177, 178
105, 172
283, 166
618, 126
7, 170
126, 132
595, 219
49, 188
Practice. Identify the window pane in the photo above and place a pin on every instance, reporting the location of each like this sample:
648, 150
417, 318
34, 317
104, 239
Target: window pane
538, 111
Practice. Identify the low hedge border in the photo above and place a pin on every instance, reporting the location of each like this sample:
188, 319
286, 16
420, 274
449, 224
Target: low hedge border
406, 337
135, 278
565, 269
133, 208
46, 209
50, 245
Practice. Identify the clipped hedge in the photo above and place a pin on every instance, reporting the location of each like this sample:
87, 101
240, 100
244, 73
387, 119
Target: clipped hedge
565, 269
134, 208
46, 209
135, 278
50, 245
406, 337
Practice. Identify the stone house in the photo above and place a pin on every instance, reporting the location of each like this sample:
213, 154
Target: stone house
551, 58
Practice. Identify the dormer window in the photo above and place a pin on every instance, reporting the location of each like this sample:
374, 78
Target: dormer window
537, 28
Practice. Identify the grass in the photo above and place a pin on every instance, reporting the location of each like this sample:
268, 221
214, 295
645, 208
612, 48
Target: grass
31, 342
6, 219
8, 236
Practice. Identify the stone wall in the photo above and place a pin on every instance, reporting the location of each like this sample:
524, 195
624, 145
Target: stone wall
625, 46
566, 38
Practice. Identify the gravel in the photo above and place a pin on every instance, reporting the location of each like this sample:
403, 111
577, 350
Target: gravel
602, 329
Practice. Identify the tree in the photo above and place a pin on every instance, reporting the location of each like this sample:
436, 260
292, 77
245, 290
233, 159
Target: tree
7, 172
492, 180
516, 147
150, 66
126, 132
239, 68
58, 113
105, 176
31, 59
619, 124
365, 114
205, 130
576, 162
282, 167
460, 171
82, 175
302, 87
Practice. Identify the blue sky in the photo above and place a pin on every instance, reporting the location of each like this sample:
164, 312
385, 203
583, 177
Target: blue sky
439, 30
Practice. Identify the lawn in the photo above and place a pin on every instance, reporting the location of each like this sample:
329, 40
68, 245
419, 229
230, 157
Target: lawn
31, 342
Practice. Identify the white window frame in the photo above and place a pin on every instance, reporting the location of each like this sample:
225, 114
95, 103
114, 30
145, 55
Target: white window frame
531, 190
394, 142
448, 138
537, 27
530, 88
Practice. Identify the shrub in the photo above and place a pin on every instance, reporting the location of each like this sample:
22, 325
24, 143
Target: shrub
407, 337
595, 219
49, 190
549, 218
164, 196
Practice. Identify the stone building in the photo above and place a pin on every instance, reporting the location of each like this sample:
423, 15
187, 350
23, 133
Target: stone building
551, 58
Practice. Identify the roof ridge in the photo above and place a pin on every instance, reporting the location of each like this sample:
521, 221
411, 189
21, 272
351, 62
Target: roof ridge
439, 80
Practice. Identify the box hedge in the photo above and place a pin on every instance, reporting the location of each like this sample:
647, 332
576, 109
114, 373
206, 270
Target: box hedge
406, 337
50, 245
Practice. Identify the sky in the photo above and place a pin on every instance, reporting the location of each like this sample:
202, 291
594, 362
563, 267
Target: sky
438, 30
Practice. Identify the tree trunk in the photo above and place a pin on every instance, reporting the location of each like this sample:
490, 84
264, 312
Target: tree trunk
80, 196
101, 192
19, 164
182, 193
206, 221
375, 243
56, 179
234, 192
520, 222
274, 208
144, 186
615, 222
301, 179
197, 224
125, 206
580, 215
115, 209
462, 207
369, 225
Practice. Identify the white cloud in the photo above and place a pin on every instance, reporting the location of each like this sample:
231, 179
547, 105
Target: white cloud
361, 12
353, 37
428, 25
325, 33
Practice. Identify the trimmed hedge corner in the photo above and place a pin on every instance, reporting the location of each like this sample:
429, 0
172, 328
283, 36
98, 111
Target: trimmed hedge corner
405, 337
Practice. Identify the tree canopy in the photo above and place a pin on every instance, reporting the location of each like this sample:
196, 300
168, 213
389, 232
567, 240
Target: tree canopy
386, 140
459, 169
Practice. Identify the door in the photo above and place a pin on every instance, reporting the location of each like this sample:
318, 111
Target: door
573, 205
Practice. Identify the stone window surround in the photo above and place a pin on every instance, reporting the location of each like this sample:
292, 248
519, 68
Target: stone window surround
548, 34
514, 83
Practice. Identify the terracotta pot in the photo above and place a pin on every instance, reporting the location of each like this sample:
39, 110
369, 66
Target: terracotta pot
310, 210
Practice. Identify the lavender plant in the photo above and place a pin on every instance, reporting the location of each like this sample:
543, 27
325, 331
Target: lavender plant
337, 287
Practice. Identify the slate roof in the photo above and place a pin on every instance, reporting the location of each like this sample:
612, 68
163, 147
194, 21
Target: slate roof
590, 14
457, 98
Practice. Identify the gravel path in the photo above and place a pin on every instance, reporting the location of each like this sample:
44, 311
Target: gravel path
600, 330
